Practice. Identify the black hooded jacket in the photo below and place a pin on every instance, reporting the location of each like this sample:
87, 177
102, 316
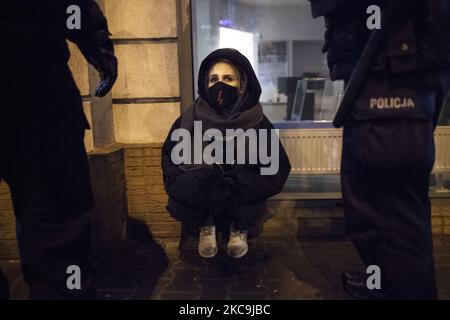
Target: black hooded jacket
250, 187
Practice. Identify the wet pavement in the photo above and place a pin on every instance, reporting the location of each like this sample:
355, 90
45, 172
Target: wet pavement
278, 266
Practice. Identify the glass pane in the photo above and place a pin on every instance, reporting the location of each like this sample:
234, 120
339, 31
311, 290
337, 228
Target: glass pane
315, 99
283, 43
331, 98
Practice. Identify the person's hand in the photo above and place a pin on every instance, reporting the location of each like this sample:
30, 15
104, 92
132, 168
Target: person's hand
106, 65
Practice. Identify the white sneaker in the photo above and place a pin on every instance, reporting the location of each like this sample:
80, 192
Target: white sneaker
207, 245
237, 245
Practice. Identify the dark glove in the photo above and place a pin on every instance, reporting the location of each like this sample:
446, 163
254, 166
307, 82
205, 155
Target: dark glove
96, 46
106, 65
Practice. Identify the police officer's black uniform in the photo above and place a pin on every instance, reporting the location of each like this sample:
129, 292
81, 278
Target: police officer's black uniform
388, 143
42, 124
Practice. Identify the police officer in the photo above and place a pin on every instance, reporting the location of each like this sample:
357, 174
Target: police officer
388, 143
42, 124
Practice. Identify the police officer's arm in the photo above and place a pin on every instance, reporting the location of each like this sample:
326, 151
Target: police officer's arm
96, 46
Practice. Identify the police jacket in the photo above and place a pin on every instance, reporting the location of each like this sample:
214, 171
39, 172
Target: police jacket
419, 39
37, 30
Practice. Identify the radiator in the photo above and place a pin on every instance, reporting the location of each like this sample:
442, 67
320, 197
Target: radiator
318, 151
442, 141
313, 151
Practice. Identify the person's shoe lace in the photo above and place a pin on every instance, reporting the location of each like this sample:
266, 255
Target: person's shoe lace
206, 230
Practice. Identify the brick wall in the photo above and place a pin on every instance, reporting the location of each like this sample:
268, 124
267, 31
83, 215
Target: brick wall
146, 196
441, 219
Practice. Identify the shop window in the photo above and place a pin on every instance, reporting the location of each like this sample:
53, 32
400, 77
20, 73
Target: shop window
283, 43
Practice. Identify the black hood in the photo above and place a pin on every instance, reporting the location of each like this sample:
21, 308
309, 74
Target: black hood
252, 88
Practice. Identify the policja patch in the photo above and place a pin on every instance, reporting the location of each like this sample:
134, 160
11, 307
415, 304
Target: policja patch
392, 103
380, 99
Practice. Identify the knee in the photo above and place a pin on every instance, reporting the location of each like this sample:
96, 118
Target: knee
182, 189
187, 215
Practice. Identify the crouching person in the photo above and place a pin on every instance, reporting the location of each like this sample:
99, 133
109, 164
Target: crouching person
222, 158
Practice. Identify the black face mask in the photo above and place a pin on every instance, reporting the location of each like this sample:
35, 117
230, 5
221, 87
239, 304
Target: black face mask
223, 95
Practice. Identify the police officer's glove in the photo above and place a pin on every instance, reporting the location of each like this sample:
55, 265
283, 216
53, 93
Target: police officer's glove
96, 46
106, 65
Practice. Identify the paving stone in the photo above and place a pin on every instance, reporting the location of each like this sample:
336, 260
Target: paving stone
162, 283
114, 294
241, 266
11, 269
143, 293
274, 269
184, 280
248, 283
219, 268
178, 296
248, 296
331, 295
18, 290
214, 289
191, 262
167, 274
127, 283
443, 276
442, 260
311, 276
286, 289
